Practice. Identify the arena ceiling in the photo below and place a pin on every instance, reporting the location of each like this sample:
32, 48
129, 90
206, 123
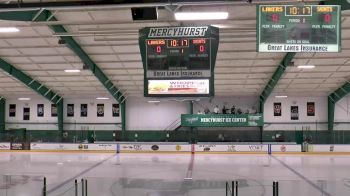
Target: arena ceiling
109, 36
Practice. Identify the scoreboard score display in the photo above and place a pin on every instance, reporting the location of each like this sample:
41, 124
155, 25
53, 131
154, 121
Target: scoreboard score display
179, 61
298, 28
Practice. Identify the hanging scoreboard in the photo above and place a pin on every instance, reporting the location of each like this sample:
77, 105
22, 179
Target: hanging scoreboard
179, 61
298, 28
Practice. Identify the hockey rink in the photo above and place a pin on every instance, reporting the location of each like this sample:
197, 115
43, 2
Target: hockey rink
173, 174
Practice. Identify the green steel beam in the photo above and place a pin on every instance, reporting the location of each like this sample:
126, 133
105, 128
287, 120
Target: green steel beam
60, 115
33, 84
123, 116
2, 113
45, 15
30, 82
333, 98
275, 78
331, 106
341, 92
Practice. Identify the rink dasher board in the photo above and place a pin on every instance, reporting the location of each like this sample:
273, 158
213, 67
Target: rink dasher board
285, 148
137, 147
73, 146
328, 148
5, 145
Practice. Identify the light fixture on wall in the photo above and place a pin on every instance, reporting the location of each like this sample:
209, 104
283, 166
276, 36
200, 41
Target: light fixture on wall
8, 30
201, 15
24, 99
306, 66
102, 98
72, 70
153, 101
281, 96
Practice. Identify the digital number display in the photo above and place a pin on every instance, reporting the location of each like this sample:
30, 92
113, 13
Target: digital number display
298, 11
291, 28
178, 54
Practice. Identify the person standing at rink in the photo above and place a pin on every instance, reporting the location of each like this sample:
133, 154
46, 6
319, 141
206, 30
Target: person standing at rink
216, 109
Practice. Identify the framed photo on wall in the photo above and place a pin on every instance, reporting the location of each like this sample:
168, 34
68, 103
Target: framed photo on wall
53, 110
277, 109
70, 110
40, 110
115, 110
83, 110
294, 113
12, 110
100, 110
26, 113
310, 108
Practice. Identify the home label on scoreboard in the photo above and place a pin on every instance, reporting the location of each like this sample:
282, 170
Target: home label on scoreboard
298, 28
179, 61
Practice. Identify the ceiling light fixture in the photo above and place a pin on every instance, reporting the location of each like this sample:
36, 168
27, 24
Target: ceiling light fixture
306, 66
24, 99
102, 98
153, 101
8, 30
201, 15
281, 96
72, 70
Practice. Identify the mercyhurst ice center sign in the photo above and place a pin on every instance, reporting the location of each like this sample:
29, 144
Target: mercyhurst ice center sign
222, 120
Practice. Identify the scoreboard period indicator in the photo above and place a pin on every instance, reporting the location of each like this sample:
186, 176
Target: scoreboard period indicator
298, 28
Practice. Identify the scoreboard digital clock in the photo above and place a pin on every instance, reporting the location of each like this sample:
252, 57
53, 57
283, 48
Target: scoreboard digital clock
298, 28
191, 56
179, 61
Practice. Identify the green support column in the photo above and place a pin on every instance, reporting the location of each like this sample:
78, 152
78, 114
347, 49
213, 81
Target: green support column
2, 114
190, 107
331, 106
123, 116
333, 98
60, 116
272, 83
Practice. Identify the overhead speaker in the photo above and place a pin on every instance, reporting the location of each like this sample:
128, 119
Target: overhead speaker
144, 13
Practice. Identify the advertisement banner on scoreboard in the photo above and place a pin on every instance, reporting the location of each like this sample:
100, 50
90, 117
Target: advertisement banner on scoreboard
222, 120
297, 48
185, 87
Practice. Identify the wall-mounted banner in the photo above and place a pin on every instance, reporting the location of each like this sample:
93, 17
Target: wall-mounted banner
53, 110
115, 110
222, 120
277, 109
26, 113
70, 110
40, 110
83, 110
100, 110
12, 110
294, 113
310, 108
